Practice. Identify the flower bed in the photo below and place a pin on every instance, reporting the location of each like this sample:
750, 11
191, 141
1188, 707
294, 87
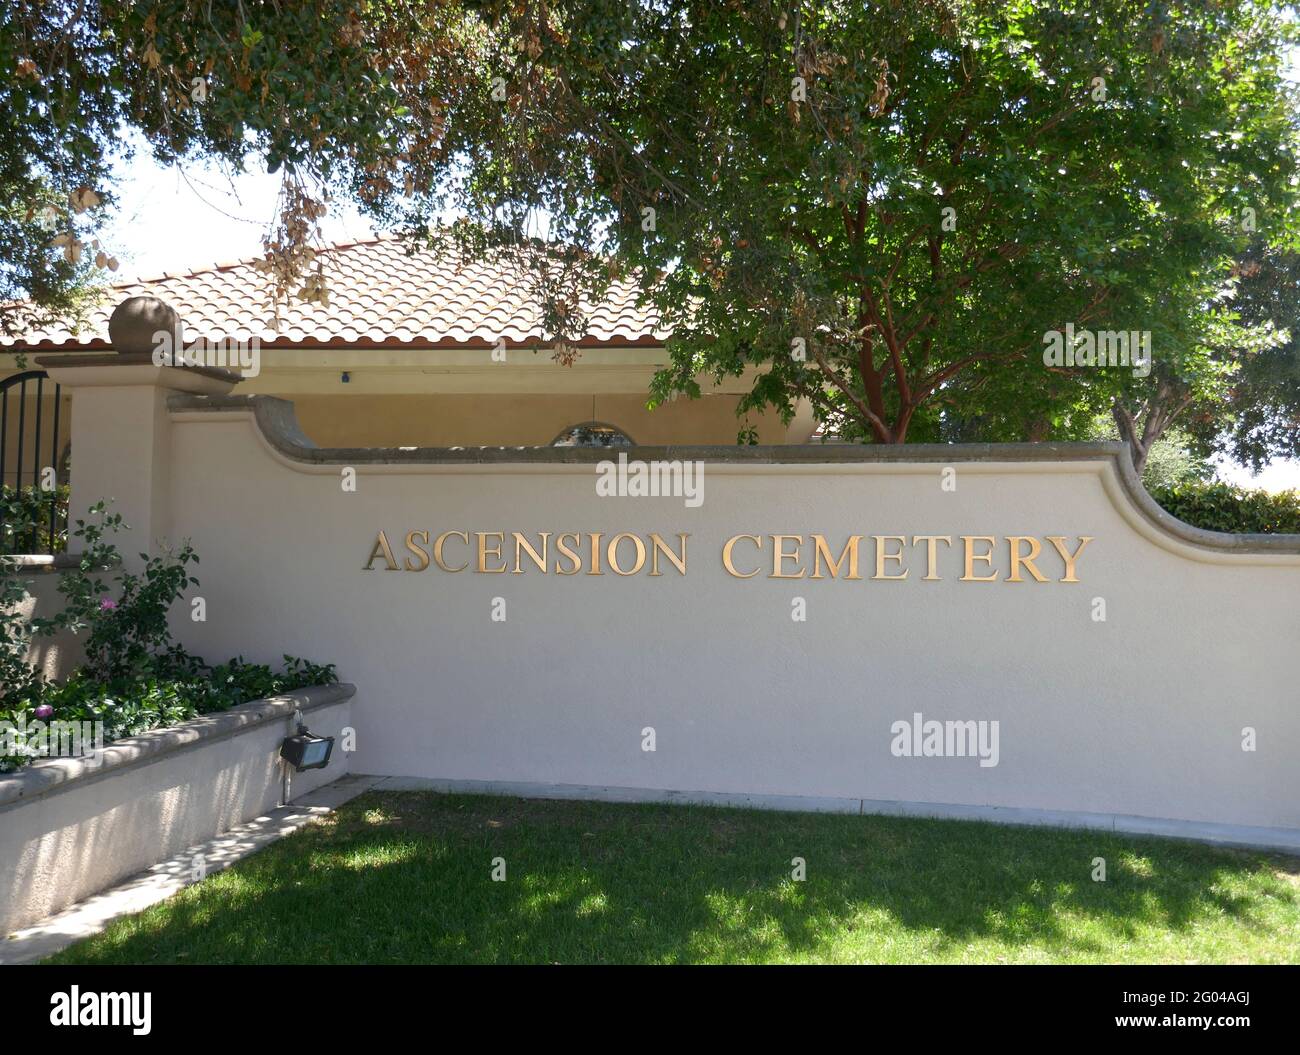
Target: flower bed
110, 711
134, 676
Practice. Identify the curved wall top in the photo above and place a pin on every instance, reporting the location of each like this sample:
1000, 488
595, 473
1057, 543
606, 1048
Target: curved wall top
277, 427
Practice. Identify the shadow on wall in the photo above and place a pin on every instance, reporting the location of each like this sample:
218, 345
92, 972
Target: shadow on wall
94, 836
57, 656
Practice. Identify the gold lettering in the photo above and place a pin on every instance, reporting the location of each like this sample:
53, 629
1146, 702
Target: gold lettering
612, 553
565, 551
437, 549
410, 544
538, 558
1070, 558
779, 557
931, 553
658, 544
822, 550
382, 546
1035, 548
979, 554
726, 555
883, 555
484, 552
972, 557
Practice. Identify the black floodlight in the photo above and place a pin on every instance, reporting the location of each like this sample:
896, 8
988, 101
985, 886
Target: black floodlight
305, 751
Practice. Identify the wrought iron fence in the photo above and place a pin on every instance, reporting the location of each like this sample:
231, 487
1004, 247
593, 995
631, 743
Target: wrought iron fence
33, 465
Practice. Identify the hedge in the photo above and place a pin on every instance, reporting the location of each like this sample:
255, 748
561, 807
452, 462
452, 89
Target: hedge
1237, 510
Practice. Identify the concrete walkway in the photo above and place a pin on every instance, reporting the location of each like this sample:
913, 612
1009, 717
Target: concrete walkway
167, 877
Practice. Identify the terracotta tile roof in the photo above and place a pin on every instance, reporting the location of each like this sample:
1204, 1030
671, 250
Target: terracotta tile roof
379, 296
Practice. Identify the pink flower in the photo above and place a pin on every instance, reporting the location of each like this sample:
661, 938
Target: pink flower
106, 605
44, 711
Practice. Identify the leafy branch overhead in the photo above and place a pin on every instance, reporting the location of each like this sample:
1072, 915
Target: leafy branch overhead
876, 209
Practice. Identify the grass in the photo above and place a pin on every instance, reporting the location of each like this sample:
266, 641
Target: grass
406, 878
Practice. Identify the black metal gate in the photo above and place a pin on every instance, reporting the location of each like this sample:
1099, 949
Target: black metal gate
33, 466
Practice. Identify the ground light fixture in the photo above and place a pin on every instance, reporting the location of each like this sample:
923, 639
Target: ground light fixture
306, 751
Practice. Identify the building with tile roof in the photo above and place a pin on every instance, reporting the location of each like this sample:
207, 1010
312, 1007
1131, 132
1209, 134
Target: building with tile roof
402, 354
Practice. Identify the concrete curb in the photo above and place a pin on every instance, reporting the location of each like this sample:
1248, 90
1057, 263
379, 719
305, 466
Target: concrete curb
1286, 840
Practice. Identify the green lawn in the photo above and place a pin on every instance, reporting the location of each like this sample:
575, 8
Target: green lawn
407, 878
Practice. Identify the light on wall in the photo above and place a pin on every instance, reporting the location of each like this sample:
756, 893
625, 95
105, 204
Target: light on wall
305, 751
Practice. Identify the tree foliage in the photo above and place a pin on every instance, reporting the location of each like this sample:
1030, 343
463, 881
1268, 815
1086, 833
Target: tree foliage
1098, 161
344, 98
879, 208
1257, 417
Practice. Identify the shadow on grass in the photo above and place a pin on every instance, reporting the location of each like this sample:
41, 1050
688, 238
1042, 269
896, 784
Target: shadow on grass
408, 878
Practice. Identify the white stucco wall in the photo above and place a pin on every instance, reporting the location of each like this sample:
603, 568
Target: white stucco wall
1140, 715
55, 656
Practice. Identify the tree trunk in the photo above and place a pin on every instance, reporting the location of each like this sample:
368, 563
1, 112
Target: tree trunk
1140, 458
1139, 446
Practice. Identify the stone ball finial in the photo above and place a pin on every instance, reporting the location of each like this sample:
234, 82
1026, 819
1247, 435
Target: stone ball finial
134, 322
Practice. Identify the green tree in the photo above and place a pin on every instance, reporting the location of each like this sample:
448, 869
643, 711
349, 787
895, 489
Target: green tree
879, 207
1258, 417
882, 208
343, 97
1220, 372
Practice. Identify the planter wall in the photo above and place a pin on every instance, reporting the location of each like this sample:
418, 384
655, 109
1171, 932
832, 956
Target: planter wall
71, 827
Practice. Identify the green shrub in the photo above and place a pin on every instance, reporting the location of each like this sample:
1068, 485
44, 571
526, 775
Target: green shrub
153, 699
135, 677
25, 519
1225, 507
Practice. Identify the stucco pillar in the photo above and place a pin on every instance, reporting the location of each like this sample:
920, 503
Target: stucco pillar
121, 431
